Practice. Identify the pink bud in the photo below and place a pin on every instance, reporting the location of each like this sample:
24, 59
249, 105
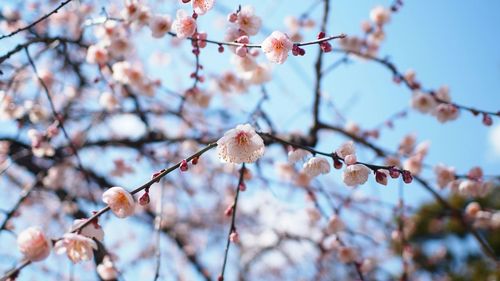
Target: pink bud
242, 187
220, 49
195, 161
407, 177
381, 177
220, 278
234, 237
337, 164
325, 47
195, 15
157, 174
350, 159
242, 51
487, 119
232, 17
321, 35
144, 199
243, 39
394, 172
184, 165
229, 211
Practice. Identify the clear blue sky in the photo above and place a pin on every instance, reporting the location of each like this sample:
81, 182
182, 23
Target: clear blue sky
454, 43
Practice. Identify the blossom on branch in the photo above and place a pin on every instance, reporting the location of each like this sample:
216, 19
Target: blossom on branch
77, 247
184, 25
241, 144
33, 244
120, 201
277, 46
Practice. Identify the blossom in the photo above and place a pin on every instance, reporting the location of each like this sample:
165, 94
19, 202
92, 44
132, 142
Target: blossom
423, 102
241, 144
33, 244
444, 175
248, 21
77, 247
446, 112
160, 25
346, 149
472, 209
355, 175
120, 201
407, 144
299, 154
202, 6
92, 230
380, 15
260, 75
97, 54
106, 269
413, 164
108, 101
346, 254
276, 47
316, 166
184, 25
335, 224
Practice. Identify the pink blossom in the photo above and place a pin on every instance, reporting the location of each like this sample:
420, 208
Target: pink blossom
298, 154
423, 102
160, 25
444, 175
241, 144
316, 166
472, 209
276, 47
106, 269
120, 201
347, 148
380, 15
335, 224
77, 247
33, 244
346, 254
446, 112
355, 175
184, 25
202, 6
248, 21
97, 54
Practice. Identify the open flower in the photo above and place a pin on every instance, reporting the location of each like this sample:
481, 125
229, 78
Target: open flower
202, 6
247, 20
355, 175
160, 25
241, 144
380, 15
316, 166
120, 201
423, 102
33, 244
77, 247
184, 25
276, 47
298, 154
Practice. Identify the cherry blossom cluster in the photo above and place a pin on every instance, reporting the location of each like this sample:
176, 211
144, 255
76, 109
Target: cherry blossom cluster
374, 33
472, 185
482, 218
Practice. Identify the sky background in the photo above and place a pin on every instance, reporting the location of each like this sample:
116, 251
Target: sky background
446, 42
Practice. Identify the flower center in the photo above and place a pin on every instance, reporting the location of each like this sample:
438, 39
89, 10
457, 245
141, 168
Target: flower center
241, 138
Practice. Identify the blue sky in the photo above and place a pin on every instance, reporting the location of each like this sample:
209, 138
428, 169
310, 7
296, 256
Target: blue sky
446, 42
